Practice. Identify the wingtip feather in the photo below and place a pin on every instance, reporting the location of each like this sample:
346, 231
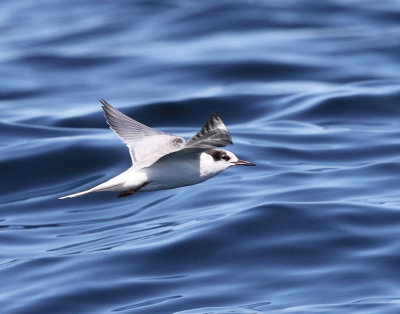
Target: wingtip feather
105, 105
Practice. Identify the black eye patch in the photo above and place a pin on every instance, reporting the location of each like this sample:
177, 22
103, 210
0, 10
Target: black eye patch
218, 155
215, 154
225, 157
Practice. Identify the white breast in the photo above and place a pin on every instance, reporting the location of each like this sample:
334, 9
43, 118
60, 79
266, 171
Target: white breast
181, 172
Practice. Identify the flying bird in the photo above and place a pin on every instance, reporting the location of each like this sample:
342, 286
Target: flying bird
162, 161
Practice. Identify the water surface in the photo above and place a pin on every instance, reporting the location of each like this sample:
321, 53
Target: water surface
310, 92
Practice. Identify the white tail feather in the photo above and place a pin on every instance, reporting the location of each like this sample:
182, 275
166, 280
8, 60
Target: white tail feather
114, 184
76, 194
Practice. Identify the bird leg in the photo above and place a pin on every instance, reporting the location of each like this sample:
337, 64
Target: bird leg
131, 191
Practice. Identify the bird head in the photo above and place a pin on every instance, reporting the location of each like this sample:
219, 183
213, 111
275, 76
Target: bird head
217, 160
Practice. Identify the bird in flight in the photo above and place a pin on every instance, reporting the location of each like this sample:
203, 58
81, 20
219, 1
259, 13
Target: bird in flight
162, 161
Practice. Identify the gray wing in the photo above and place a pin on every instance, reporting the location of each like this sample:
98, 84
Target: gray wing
213, 134
145, 144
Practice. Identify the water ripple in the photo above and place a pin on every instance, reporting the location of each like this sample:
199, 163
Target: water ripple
310, 92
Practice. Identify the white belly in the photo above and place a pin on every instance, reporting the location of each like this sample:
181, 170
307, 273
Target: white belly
173, 175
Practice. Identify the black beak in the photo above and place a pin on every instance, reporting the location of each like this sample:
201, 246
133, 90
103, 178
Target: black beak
243, 163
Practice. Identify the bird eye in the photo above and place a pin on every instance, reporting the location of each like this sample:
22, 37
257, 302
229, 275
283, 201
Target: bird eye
225, 157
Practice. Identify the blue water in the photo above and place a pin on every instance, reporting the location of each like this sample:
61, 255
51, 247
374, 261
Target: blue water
310, 91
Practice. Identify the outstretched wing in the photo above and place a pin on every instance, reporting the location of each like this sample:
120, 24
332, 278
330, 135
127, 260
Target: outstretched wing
213, 134
145, 144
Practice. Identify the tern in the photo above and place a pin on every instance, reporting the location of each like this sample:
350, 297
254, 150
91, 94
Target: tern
162, 161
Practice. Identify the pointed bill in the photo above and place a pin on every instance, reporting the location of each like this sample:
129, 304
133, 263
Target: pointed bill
243, 163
